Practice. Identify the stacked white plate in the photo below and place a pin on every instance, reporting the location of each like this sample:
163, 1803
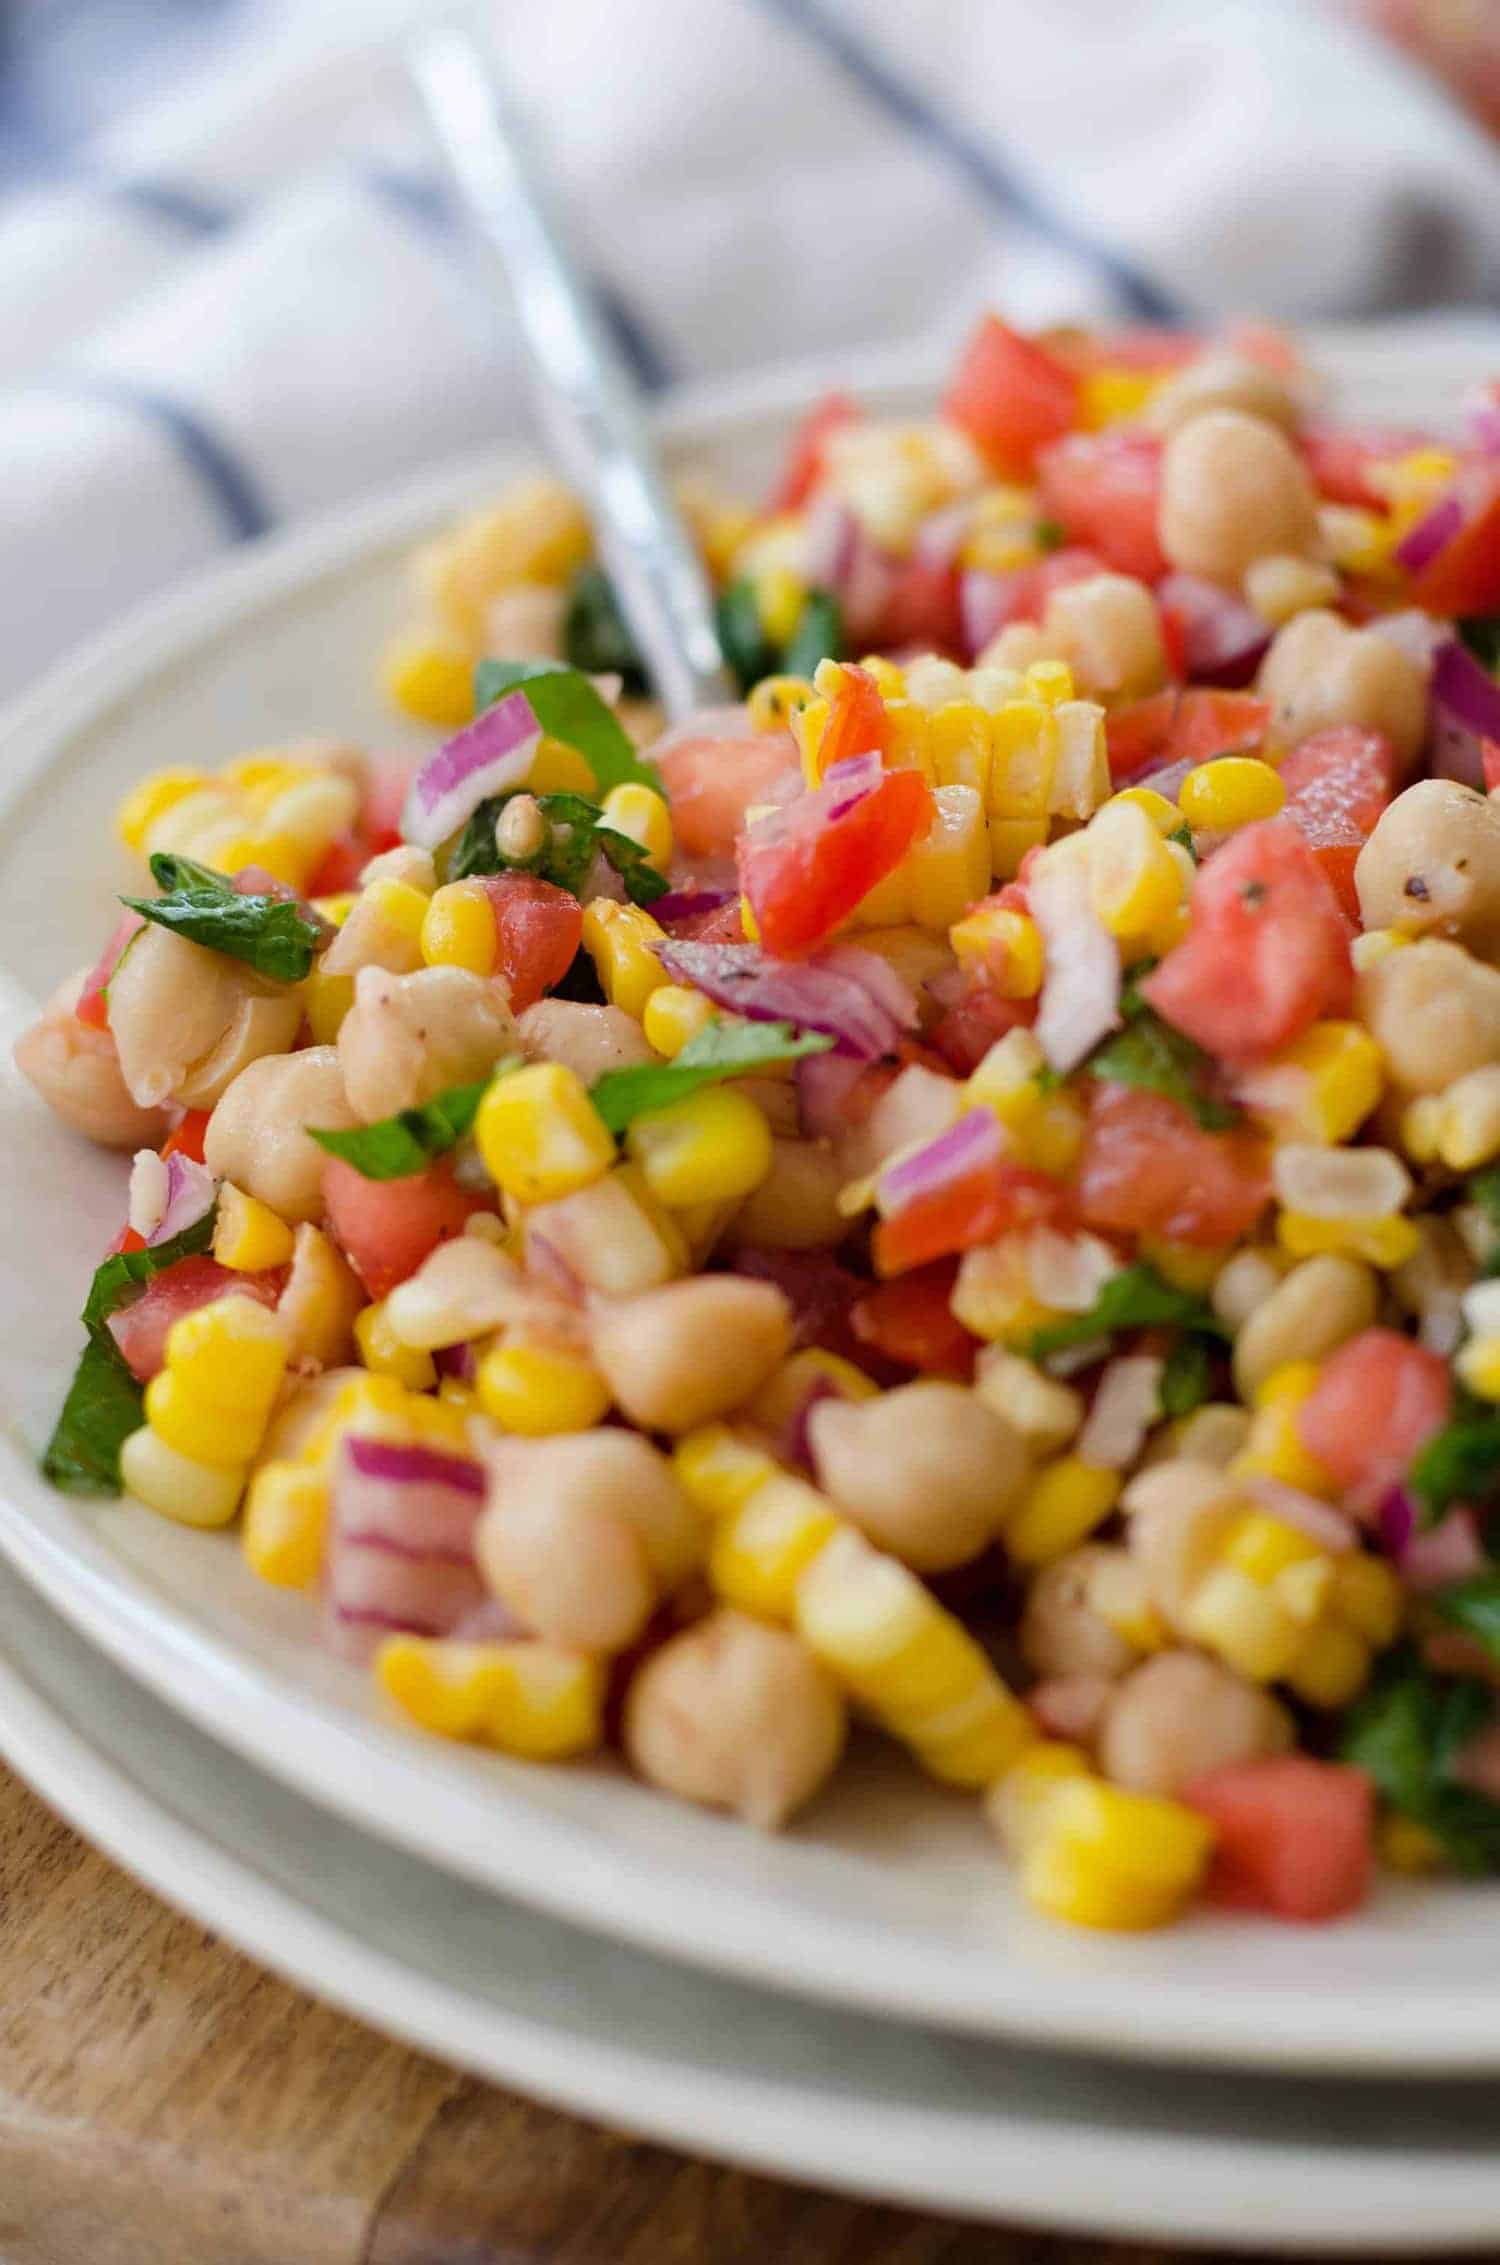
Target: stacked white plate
863, 2002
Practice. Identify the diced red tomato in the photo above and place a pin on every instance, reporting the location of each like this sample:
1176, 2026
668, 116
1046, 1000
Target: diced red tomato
820, 1289
922, 608
1295, 1836
1266, 952
186, 1137
1465, 575
857, 722
1182, 727
126, 1239
1262, 342
1489, 755
804, 463
387, 1227
538, 928
140, 1330
713, 778
1337, 783
971, 1210
386, 783
1137, 734
1148, 1169
909, 1321
1011, 396
1340, 458
341, 868
1102, 489
970, 1028
1377, 1402
93, 1007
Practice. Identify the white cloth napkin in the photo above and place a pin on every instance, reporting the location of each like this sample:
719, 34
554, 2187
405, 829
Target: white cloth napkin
243, 299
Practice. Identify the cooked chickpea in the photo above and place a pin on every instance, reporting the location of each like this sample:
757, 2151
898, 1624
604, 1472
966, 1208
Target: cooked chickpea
405, 863
582, 1533
1320, 672
1214, 1433
257, 1135
1244, 1282
321, 1298
1108, 630
461, 1290
1313, 1310
1223, 380
1181, 1714
187, 1020
1233, 489
587, 1040
1180, 1513
1061, 1632
694, 1350
738, 1716
1433, 865
1435, 1012
76, 1070
408, 1038
927, 1470
796, 1205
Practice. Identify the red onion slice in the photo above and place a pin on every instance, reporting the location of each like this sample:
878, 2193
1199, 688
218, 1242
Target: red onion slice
1451, 1550
976, 1141
1433, 532
191, 1189
487, 757
1223, 639
1465, 711
813, 995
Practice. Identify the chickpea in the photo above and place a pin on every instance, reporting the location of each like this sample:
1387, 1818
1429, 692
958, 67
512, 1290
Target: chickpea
1214, 1433
1313, 1310
1108, 630
257, 1135
691, 1351
187, 1020
1434, 1011
1233, 489
796, 1205
322, 1296
1223, 380
587, 1040
76, 1070
927, 1471
1181, 1714
408, 1038
461, 1290
1433, 865
404, 863
1320, 672
1061, 1632
1244, 1282
738, 1716
1180, 1514
582, 1533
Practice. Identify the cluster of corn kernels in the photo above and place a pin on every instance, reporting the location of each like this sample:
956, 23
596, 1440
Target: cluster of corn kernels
274, 809
207, 1410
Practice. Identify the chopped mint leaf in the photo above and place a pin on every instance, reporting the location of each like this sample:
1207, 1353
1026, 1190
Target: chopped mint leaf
1474, 1606
568, 707
574, 832
393, 1148
596, 638
720, 1050
1150, 1053
1135, 1298
748, 652
1187, 1377
1460, 1463
1406, 1731
818, 636
276, 936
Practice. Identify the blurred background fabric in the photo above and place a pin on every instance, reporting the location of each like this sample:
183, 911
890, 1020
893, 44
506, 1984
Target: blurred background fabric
232, 292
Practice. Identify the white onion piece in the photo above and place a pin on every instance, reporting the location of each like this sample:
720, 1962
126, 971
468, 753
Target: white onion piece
1080, 1001
148, 1193
1339, 1183
1126, 1405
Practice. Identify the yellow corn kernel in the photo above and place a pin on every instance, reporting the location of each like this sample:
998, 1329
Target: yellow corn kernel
179, 1486
613, 1233
673, 1014
1005, 1079
458, 928
1286, 1386
950, 866
1273, 1449
232, 1353
1246, 1623
1063, 1504
780, 596
400, 910
1263, 1547
1134, 880
1164, 815
714, 1146
1187, 1266
890, 677
336, 910
958, 740
1046, 1412
760, 1549
1231, 791
993, 1297
430, 678
1332, 1667
809, 722
1367, 1595
384, 1354
152, 799
557, 768
326, 999
621, 941
264, 774
1468, 1126
1023, 757
1017, 1803
1407, 1846
310, 812
1010, 839
639, 811
1478, 1366
286, 1522
540, 1389
1006, 944
776, 699
1386, 1242
249, 1235
529, 1699
191, 822
1320, 1088
908, 737
1106, 1858
540, 1136
718, 1471
887, 905
198, 1428
1114, 394
1357, 541
1049, 681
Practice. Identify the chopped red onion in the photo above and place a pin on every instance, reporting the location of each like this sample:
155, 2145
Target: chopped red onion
409, 1499
977, 1140
824, 1084
1465, 713
374, 1591
1482, 418
191, 1189
1412, 632
873, 972
1321, 1523
679, 905
1433, 532
1080, 1000
820, 1291
1397, 1520
810, 993
1223, 639
942, 534
487, 757
848, 782
1449, 1551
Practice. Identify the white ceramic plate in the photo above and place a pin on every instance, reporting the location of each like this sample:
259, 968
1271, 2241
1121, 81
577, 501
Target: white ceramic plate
903, 2113
889, 1895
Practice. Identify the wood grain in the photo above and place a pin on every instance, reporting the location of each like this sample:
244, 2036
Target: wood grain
164, 2102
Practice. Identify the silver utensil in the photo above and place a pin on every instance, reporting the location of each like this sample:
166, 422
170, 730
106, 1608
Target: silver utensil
586, 398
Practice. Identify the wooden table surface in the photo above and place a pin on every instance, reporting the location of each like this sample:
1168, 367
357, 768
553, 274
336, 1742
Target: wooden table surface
165, 2102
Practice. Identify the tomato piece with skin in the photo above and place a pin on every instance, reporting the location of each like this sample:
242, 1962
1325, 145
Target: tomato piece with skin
1148, 1169
1192, 726
1376, 1403
712, 778
1266, 951
386, 784
804, 464
909, 1321
971, 1210
140, 1330
186, 1138
538, 928
1464, 577
1011, 396
341, 867
1102, 488
386, 1228
923, 608
1337, 784
93, 1002
1341, 458
1294, 1836
857, 722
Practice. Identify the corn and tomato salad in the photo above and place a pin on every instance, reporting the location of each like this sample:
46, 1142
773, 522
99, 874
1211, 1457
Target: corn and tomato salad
957, 1197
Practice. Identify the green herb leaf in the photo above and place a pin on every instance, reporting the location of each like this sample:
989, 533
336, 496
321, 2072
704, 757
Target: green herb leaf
1460, 1463
1481, 633
1135, 1298
103, 1406
1407, 1731
1150, 1053
1474, 1606
720, 1050
1483, 1191
575, 832
568, 708
1049, 534
393, 1148
1183, 836
748, 652
1187, 1377
596, 638
818, 636
275, 935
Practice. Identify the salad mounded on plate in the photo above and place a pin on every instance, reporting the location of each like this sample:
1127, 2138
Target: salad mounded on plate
961, 1194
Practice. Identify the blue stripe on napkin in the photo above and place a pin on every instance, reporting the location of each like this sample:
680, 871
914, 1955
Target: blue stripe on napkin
235, 492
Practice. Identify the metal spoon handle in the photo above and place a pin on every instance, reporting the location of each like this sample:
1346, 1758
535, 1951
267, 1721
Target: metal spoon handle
586, 397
